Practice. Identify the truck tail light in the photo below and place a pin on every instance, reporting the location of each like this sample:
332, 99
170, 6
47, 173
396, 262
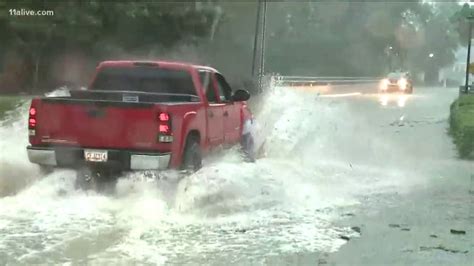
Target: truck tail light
32, 122
164, 117
164, 128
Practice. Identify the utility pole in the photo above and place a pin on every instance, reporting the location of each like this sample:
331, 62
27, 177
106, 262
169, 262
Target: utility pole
260, 26
469, 20
262, 49
255, 41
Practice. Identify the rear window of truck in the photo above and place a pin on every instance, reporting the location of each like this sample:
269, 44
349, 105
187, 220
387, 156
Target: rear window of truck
144, 79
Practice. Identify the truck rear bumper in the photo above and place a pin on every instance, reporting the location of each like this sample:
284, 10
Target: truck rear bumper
149, 162
41, 156
123, 159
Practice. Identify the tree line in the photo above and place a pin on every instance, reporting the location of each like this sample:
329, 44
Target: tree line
362, 38
39, 53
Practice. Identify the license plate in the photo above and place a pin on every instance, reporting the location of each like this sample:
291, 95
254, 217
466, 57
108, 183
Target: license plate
95, 156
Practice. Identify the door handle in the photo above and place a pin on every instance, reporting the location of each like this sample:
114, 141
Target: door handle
211, 114
226, 113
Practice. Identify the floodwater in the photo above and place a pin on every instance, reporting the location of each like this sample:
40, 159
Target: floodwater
324, 156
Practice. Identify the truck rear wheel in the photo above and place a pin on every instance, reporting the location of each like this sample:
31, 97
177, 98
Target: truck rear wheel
45, 170
192, 156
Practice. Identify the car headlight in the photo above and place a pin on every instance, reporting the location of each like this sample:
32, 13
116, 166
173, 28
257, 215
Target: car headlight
402, 83
384, 84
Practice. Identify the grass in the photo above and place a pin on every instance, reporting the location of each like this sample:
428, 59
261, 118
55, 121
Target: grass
8, 102
462, 125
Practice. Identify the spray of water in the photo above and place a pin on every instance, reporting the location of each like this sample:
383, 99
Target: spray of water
230, 209
15, 170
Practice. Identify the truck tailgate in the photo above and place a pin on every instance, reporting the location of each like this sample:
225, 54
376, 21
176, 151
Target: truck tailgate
98, 124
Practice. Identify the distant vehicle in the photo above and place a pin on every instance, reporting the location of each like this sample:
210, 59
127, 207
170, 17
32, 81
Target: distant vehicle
397, 82
139, 116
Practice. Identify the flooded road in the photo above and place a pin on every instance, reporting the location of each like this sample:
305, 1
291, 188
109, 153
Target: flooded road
328, 158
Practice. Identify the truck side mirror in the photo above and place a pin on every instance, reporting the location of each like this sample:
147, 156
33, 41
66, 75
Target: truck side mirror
240, 96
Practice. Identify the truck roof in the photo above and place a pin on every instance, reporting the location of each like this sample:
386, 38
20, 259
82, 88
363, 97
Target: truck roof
161, 63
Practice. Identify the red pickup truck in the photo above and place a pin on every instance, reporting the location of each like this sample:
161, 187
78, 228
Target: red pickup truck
137, 115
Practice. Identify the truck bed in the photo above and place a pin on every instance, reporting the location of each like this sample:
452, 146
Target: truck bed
111, 119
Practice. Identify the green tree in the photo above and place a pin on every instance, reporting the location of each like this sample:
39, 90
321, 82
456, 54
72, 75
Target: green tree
99, 29
346, 38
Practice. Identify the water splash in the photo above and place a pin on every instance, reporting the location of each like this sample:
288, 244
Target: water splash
283, 203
